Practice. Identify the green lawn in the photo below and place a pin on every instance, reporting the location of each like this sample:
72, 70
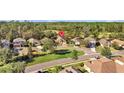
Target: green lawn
51, 57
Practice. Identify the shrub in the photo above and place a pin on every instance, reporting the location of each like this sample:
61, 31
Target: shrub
75, 54
106, 52
17, 67
63, 51
55, 69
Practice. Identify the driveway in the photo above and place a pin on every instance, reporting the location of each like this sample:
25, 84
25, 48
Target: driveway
85, 50
120, 52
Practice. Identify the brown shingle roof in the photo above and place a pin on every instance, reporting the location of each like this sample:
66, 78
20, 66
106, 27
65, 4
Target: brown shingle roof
105, 65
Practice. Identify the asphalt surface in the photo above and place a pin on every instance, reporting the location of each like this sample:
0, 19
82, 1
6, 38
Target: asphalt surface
121, 52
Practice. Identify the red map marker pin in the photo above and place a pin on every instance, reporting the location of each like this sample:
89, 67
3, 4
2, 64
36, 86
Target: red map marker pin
61, 33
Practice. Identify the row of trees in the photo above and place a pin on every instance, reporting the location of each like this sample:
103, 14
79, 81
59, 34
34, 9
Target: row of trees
7, 63
15, 67
72, 29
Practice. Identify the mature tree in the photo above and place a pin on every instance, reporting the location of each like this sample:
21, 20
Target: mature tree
38, 34
48, 44
50, 34
10, 36
106, 52
75, 54
2, 57
86, 43
8, 55
5, 55
86, 30
6, 69
95, 34
18, 67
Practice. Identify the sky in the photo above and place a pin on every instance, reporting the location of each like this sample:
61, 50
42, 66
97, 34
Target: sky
68, 20
75, 20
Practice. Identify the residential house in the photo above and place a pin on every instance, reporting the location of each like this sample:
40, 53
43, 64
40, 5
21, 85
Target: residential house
18, 43
120, 64
76, 41
119, 42
119, 60
33, 41
105, 65
60, 41
5, 43
104, 42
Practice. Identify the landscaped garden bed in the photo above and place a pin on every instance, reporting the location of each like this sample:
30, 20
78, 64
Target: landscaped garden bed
78, 66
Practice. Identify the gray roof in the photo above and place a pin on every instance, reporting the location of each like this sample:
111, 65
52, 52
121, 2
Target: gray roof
103, 41
19, 40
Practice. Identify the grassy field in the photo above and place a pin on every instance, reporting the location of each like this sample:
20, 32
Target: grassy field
51, 57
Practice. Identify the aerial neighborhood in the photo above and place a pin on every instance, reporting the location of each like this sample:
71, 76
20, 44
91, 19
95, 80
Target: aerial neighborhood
61, 47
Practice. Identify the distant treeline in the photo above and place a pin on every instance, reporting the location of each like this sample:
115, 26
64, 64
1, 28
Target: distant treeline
20, 29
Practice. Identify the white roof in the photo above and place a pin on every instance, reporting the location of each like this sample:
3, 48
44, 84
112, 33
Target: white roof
19, 39
39, 47
32, 40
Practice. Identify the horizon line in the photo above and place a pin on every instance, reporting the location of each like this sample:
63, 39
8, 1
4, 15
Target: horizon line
64, 20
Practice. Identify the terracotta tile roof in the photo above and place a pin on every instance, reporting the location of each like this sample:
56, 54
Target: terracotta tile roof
105, 65
120, 68
121, 59
118, 58
118, 41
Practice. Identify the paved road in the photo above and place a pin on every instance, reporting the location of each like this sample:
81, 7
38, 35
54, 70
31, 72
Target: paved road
121, 52
37, 67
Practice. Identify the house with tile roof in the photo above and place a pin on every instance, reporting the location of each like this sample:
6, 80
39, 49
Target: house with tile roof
105, 65
119, 42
